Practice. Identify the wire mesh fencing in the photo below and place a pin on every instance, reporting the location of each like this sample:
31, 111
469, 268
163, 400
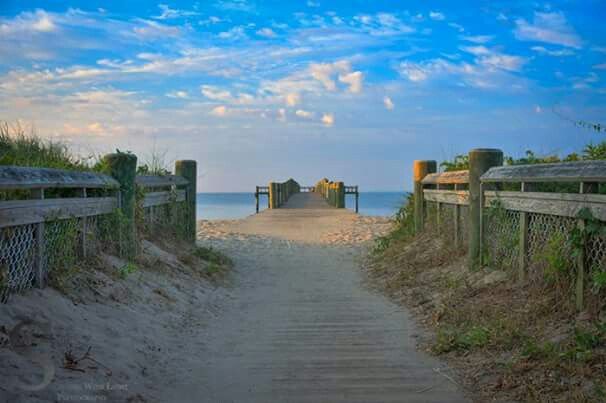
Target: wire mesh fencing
501, 238
448, 221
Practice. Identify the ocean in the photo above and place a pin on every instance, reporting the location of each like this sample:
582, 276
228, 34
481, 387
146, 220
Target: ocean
221, 206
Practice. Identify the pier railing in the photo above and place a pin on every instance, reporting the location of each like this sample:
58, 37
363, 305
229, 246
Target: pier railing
522, 219
51, 218
334, 192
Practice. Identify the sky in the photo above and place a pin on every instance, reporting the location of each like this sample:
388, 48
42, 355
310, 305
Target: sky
266, 90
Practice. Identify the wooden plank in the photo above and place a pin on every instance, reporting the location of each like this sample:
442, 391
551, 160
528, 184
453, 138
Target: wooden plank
38, 211
560, 204
579, 171
160, 198
13, 177
40, 248
152, 181
460, 197
447, 178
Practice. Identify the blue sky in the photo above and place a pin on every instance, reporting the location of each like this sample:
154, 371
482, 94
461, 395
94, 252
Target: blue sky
261, 90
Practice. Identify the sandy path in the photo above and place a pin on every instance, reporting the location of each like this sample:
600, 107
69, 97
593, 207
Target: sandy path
301, 327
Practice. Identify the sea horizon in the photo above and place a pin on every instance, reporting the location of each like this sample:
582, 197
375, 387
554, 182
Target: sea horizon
236, 205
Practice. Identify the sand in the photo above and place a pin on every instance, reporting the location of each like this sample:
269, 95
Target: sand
295, 323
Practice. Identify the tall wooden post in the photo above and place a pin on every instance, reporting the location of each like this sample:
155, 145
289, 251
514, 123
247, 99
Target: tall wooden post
189, 170
357, 199
340, 195
523, 237
40, 251
123, 168
421, 168
480, 161
257, 199
273, 195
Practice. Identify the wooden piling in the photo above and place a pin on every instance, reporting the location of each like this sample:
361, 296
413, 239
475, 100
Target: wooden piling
123, 168
189, 170
421, 168
480, 160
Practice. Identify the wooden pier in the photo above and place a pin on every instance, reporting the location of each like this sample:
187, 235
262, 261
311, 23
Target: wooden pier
283, 191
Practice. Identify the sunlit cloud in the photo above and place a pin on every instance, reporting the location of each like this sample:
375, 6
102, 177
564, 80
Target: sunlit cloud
328, 119
551, 27
389, 105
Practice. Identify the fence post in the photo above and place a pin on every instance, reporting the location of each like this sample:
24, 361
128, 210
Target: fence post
480, 161
340, 191
273, 195
586, 187
189, 170
421, 168
39, 256
457, 221
523, 237
123, 168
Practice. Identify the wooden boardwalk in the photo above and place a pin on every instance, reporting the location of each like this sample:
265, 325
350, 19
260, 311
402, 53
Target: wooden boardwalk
302, 327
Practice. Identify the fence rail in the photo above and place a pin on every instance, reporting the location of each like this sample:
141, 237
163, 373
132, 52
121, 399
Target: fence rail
517, 229
50, 217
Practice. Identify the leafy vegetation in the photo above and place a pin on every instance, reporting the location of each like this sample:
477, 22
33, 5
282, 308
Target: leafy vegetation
24, 148
212, 256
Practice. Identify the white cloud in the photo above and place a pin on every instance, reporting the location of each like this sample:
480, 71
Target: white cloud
476, 50
494, 59
600, 66
282, 115
549, 27
234, 33
153, 30
170, 13
456, 26
354, 80
236, 5
314, 4
414, 72
478, 38
503, 62
304, 114
325, 73
538, 109
292, 99
38, 21
389, 105
219, 111
436, 16
266, 32
557, 53
178, 94
328, 119
383, 24
215, 93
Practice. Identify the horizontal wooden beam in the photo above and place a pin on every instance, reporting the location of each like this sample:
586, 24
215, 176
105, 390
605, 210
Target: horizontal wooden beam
559, 204
447, 178
152, 181
22, 212
14, 177
579, 171
160, 198
460, 197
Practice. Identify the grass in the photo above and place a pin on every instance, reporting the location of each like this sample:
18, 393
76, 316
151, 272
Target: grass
509, 341
212, 256
22, 147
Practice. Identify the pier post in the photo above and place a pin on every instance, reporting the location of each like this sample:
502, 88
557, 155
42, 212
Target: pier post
273, 195
189, 170
257, 199
421, 168
340, 195
480, 161
123, 168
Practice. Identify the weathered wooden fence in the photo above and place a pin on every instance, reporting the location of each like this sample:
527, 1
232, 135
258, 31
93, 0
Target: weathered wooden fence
50, 218
520, 218
335, 192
